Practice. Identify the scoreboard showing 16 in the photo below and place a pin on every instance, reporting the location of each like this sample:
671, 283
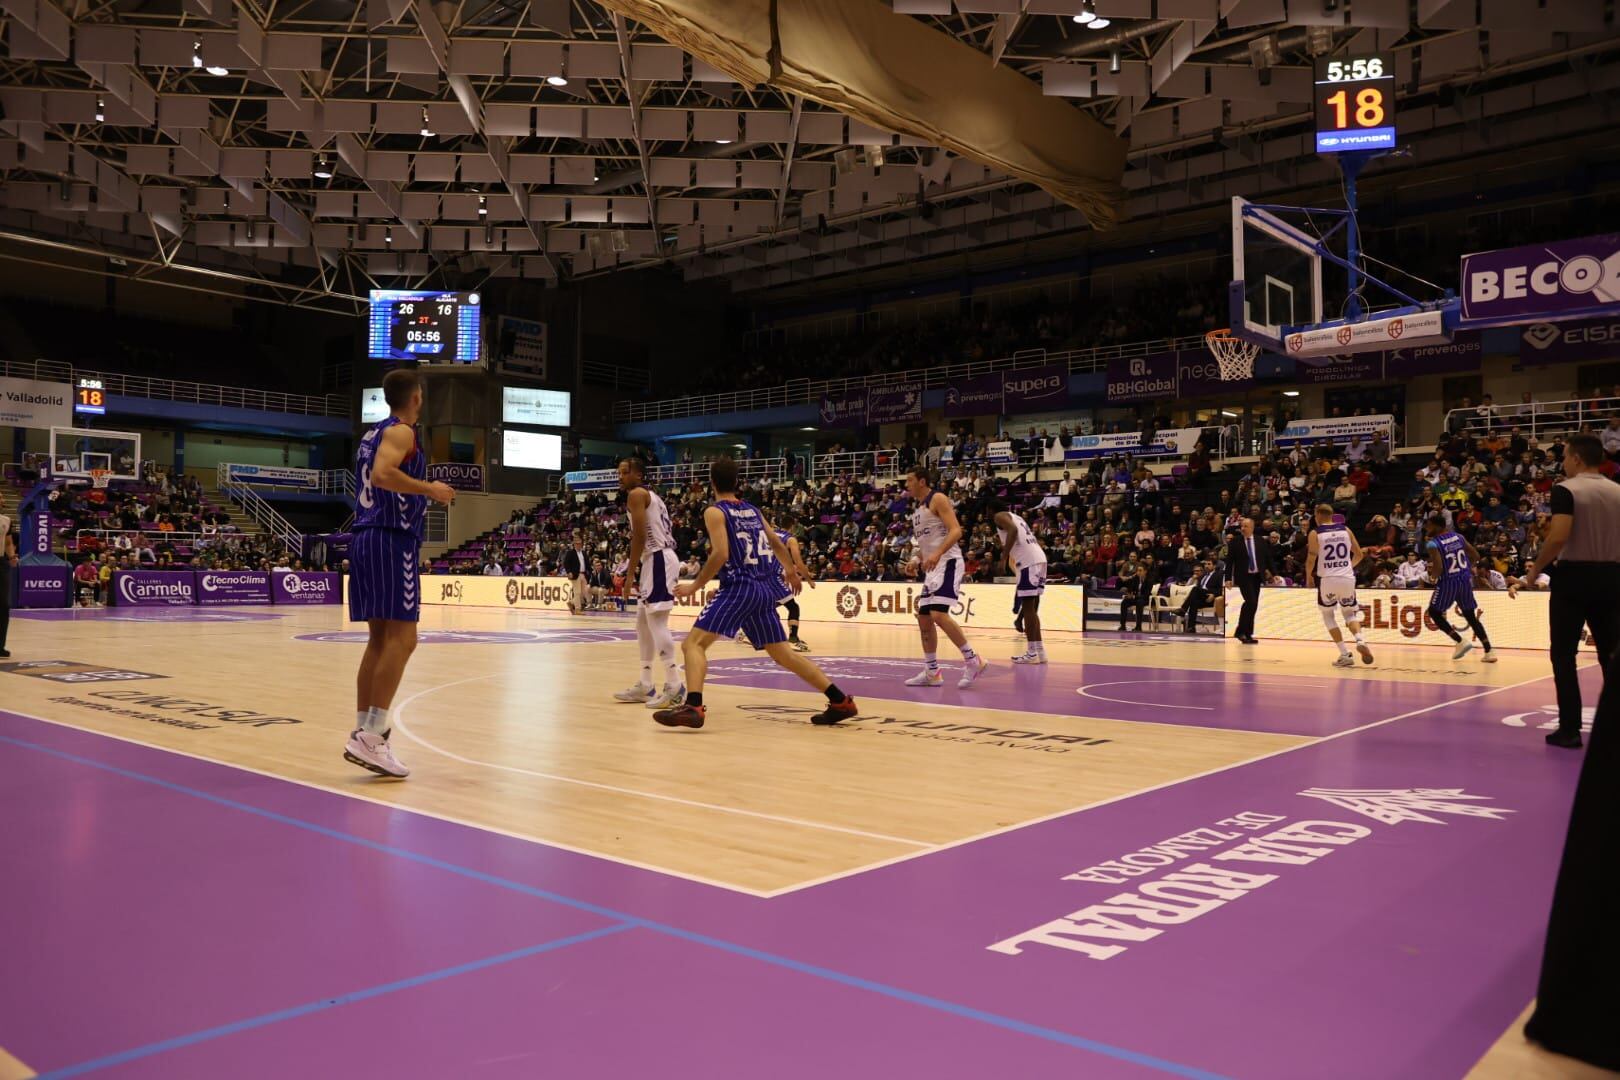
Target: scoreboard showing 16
1355, 103
431, 327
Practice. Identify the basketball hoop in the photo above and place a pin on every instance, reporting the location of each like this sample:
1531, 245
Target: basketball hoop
100, 478
1234, 355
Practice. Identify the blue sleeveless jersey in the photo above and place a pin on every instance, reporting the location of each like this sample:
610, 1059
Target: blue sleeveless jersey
750, 558
379, 509
1454, 563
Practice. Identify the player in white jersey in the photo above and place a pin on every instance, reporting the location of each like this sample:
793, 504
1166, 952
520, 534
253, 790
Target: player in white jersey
937, 536
1021, 554
784, 522
1330, 564
651, 572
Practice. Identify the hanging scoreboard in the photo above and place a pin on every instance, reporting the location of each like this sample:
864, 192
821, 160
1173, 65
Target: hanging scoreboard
90, 398
1355, 103
429, 327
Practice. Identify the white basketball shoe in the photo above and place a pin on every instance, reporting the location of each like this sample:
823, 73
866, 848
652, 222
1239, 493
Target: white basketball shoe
636, 694
372, 752
927, 678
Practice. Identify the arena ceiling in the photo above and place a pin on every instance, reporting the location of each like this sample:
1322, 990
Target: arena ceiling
319, 148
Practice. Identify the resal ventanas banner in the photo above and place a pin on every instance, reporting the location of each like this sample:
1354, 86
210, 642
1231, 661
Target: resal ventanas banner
305, 587
1397, 617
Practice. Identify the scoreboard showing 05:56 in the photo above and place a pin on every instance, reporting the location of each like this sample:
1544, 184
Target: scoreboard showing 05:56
1355, 103
430, 327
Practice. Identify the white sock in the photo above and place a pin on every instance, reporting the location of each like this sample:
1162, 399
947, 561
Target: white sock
377, 721
932, 659
361, 718
1359, 639
1344, 648
967, 651
664, 647
1037, 648
645, 642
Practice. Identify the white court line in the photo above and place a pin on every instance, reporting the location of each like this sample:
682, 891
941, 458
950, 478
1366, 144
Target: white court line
357, 793
398, 719
1156, 787
1159, 705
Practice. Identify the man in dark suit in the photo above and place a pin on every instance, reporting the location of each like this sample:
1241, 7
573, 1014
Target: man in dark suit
1207, 589
1249, 557
575, 565
1138, 590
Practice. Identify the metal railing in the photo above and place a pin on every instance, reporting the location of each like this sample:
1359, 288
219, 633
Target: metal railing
878, 463
806, 391
179, 390
602, 373
262, 513
435, 526
1533, 419
147, 537
753, 470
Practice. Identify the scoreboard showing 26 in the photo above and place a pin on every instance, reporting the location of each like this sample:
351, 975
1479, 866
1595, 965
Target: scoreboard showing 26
430, 327
1355, 103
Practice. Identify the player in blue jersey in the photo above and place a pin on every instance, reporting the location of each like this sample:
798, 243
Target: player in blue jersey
749, 558
1452, 565
391, 496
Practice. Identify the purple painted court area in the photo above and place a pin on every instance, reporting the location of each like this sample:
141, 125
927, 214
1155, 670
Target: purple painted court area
163, 615
1366, 906
1337, 700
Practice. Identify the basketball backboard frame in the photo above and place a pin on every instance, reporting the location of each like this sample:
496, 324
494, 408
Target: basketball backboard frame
1262, 240
75, 452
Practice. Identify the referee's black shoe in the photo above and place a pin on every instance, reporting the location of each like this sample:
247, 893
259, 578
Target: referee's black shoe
1569, 740
1249, 640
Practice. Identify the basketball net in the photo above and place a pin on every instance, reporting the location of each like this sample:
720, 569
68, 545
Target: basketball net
100, 478
1234, 355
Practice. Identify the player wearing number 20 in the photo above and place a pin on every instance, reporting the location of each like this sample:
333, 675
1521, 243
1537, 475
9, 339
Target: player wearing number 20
1452, 560
1330, 565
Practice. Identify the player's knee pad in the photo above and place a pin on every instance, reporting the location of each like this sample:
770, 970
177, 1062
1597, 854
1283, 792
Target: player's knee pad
1329, 617
792, 610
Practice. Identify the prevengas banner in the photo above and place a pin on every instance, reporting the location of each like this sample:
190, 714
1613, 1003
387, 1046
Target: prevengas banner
461, 477
978, 396
1542, 281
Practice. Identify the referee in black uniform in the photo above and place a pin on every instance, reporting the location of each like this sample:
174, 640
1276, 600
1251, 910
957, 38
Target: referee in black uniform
1583, 539
8, 555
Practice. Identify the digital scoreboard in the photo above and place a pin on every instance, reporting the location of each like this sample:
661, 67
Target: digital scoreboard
90, 398
1355, 103
430, 327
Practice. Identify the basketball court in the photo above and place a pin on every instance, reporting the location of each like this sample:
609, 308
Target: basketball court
1021, 878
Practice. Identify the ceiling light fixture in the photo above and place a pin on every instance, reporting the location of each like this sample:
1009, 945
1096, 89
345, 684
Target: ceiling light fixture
723, 142
1088, 11
388, 235
323, 168
489, 234
197, 60
483, 206
101, 110
1113, 62
1101, 22
1290, 393
427, 128
561, 78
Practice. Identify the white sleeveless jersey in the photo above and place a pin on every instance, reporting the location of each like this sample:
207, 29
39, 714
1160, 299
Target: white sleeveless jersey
660, 536
1025, 550
928, 531
1333, 557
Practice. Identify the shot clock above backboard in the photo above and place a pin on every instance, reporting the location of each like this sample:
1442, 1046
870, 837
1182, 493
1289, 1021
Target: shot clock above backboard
430, 327
1355, 103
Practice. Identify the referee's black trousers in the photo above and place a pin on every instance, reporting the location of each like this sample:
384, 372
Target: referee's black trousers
1583, 594
5, 599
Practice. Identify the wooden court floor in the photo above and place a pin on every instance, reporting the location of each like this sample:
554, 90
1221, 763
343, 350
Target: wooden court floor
507, 721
